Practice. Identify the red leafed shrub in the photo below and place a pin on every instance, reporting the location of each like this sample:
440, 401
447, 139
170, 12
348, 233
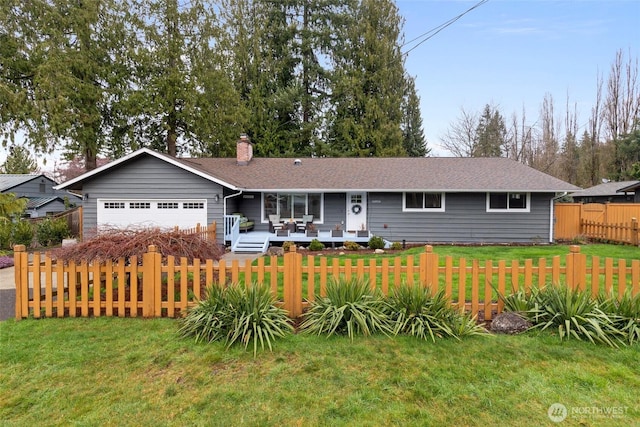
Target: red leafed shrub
125, 243
6, 261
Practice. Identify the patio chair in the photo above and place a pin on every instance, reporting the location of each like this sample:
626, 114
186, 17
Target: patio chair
306, 220
274, 223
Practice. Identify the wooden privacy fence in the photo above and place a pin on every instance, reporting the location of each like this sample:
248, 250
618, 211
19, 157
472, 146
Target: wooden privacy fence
157, 287
612, 222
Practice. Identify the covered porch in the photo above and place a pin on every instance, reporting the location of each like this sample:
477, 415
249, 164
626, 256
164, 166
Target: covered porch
259, 241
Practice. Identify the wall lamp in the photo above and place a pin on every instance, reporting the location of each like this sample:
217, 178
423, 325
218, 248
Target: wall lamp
216, 198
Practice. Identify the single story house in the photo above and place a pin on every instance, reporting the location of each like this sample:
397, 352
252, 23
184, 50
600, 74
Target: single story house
43, 199
607, 192
431, 199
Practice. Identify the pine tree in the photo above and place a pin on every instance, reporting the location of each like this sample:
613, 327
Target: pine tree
412, 133
491, 133
19, 161
368, 83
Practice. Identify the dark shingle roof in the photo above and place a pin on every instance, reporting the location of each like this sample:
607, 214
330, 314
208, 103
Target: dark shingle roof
363, 174
381, 174
605, 189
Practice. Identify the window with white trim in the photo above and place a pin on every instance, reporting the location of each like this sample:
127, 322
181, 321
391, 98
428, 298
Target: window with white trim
508, 202
292, 206
423, 202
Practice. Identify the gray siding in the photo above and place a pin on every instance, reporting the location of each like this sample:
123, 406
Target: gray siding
32, 189
149, 178
464, 220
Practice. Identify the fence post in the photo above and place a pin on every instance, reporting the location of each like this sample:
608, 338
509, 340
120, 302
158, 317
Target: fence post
576, 268
293, 282
634, 231
20, 262
148, 281
431, 269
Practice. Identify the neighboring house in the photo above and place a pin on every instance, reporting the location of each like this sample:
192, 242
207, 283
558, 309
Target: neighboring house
634, 188
488, 200
607, 192
43, 199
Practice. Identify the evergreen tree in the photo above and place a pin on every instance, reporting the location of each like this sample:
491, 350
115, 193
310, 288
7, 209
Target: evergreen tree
63, 70
368, 83
491, 133
412, 133
182, 98
19, 161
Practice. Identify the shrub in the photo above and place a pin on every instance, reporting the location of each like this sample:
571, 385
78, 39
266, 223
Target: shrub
396, 246
208, 320
416, 312
22, 233
127, 243
51, 231
6, 261
286, 246
237, 314
5, 233
350, 308
351, 246
574, 314
316, 245
624, 312
376, 242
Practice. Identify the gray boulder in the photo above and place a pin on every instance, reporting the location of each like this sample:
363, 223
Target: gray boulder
509, 323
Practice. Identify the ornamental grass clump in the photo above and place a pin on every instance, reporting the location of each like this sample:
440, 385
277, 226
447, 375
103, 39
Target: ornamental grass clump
416, 312
237, 314
624, 312
574, 314
349, 308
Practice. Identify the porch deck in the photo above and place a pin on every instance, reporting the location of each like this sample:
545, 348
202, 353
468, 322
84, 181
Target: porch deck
245, 239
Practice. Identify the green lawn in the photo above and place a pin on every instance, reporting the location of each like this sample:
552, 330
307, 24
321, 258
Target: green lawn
119, 372
495, 252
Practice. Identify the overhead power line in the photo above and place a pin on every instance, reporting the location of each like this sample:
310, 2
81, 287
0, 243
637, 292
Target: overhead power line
432, 32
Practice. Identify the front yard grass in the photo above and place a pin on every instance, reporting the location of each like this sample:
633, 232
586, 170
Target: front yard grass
110, 371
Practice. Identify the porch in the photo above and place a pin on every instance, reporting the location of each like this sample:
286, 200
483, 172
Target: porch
259, 241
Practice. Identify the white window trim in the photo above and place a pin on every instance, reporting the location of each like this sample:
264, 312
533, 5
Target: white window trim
510, 210
315, 220
440, 209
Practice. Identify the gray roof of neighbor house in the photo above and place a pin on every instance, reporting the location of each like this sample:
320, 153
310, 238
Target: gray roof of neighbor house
604, 189
37, 202
364, 174
8, 181
634, 186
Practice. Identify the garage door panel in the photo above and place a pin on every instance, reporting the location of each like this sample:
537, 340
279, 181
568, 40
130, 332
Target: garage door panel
163, 213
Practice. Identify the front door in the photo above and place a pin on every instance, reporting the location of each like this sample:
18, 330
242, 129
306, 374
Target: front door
356, 211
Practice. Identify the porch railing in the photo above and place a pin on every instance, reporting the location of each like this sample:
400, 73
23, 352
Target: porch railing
232, 228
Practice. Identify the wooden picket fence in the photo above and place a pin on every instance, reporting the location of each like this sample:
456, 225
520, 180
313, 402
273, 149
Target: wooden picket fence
157, 287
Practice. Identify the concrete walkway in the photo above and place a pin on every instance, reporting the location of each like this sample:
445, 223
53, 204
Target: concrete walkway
8, 287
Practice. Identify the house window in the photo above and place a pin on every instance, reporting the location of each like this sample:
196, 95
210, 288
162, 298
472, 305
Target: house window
292, 205
428, 202
42, 188
508, 202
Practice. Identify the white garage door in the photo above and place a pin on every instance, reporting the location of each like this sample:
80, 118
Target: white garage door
129, 213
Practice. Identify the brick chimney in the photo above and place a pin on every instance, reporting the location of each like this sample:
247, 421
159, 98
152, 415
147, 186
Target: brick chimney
244, 150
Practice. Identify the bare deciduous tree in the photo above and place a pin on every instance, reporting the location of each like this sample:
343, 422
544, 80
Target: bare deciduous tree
461, 137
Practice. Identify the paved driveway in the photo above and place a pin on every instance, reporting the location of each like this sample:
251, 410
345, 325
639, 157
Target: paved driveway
7, 293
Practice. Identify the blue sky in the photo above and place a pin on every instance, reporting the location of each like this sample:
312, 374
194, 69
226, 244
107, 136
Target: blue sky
511, 53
